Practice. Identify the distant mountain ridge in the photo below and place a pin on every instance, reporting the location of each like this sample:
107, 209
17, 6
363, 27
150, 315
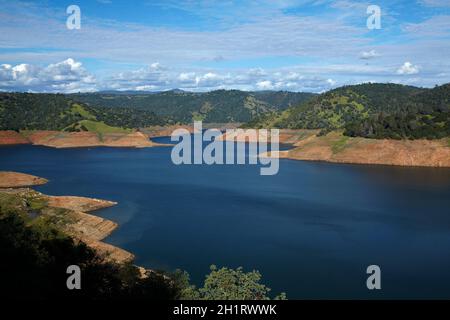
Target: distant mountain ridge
218, 106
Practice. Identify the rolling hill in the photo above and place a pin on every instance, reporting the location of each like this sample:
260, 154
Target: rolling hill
370, 110
220, 106
28, 111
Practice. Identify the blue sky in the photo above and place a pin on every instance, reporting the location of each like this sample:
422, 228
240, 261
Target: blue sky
296, 45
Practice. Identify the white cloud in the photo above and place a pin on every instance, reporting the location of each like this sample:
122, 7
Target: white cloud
69, 75
408, 68
366, 55
265, 85
65, 76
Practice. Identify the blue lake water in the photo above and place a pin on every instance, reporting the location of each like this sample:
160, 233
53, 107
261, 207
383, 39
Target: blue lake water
311, 230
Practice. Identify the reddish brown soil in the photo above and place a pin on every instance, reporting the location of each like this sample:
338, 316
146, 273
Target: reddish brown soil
12, 137
17, 180
336, 148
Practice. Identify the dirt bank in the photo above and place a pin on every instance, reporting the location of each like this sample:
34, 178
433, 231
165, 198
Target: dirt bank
285, 136
165, 131
12, 137
79, 203
71, 212
90, 139
18, 180
337, 148
58, 139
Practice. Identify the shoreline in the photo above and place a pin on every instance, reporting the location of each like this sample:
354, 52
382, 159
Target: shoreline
337, 148
78, 222
85, 139
306, 145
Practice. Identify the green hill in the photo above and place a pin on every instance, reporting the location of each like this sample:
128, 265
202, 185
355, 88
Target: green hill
370, 110
218, 106
27, 111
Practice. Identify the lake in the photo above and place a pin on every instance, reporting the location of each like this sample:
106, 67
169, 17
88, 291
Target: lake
311, 230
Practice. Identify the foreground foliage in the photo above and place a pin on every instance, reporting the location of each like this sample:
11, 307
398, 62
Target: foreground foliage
229, 284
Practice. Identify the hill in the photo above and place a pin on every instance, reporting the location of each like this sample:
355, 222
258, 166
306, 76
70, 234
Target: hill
370, 110
28, 111
220, 106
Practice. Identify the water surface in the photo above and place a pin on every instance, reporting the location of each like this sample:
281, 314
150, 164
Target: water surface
311, 230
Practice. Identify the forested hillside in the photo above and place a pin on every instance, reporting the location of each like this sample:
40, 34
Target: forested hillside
218, 106
371, 110
27, 111
366, 110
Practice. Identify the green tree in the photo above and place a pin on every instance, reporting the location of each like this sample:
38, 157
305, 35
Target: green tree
234, 284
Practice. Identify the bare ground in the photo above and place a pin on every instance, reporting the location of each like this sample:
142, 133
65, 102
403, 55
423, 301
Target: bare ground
17, 180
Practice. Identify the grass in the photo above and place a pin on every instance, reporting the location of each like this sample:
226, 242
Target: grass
37, 203
22, 203
56, 217
9, 202
78, 109
101, 127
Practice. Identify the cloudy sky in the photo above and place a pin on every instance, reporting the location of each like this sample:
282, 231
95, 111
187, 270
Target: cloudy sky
153, 45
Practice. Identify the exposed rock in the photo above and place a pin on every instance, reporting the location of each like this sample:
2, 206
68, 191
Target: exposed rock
109, 252
79, 203
73, 220
334, 147
60, 139
17, 180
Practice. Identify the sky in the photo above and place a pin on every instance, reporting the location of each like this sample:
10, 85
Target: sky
154, 45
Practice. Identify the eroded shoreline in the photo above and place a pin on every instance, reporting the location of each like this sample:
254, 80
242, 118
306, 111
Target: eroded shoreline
334, 147
307, 145
77, 222
58, 139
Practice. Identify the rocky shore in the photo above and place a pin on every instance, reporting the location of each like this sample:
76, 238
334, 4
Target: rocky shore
58, 139
16, 180
74, 216
335, 147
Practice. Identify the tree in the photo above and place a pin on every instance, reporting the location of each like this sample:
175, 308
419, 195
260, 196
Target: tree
234, 284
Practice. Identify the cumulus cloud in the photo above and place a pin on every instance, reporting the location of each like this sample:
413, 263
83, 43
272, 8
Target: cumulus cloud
265, 85
408, 68
65, 76
165, 78
70, 76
